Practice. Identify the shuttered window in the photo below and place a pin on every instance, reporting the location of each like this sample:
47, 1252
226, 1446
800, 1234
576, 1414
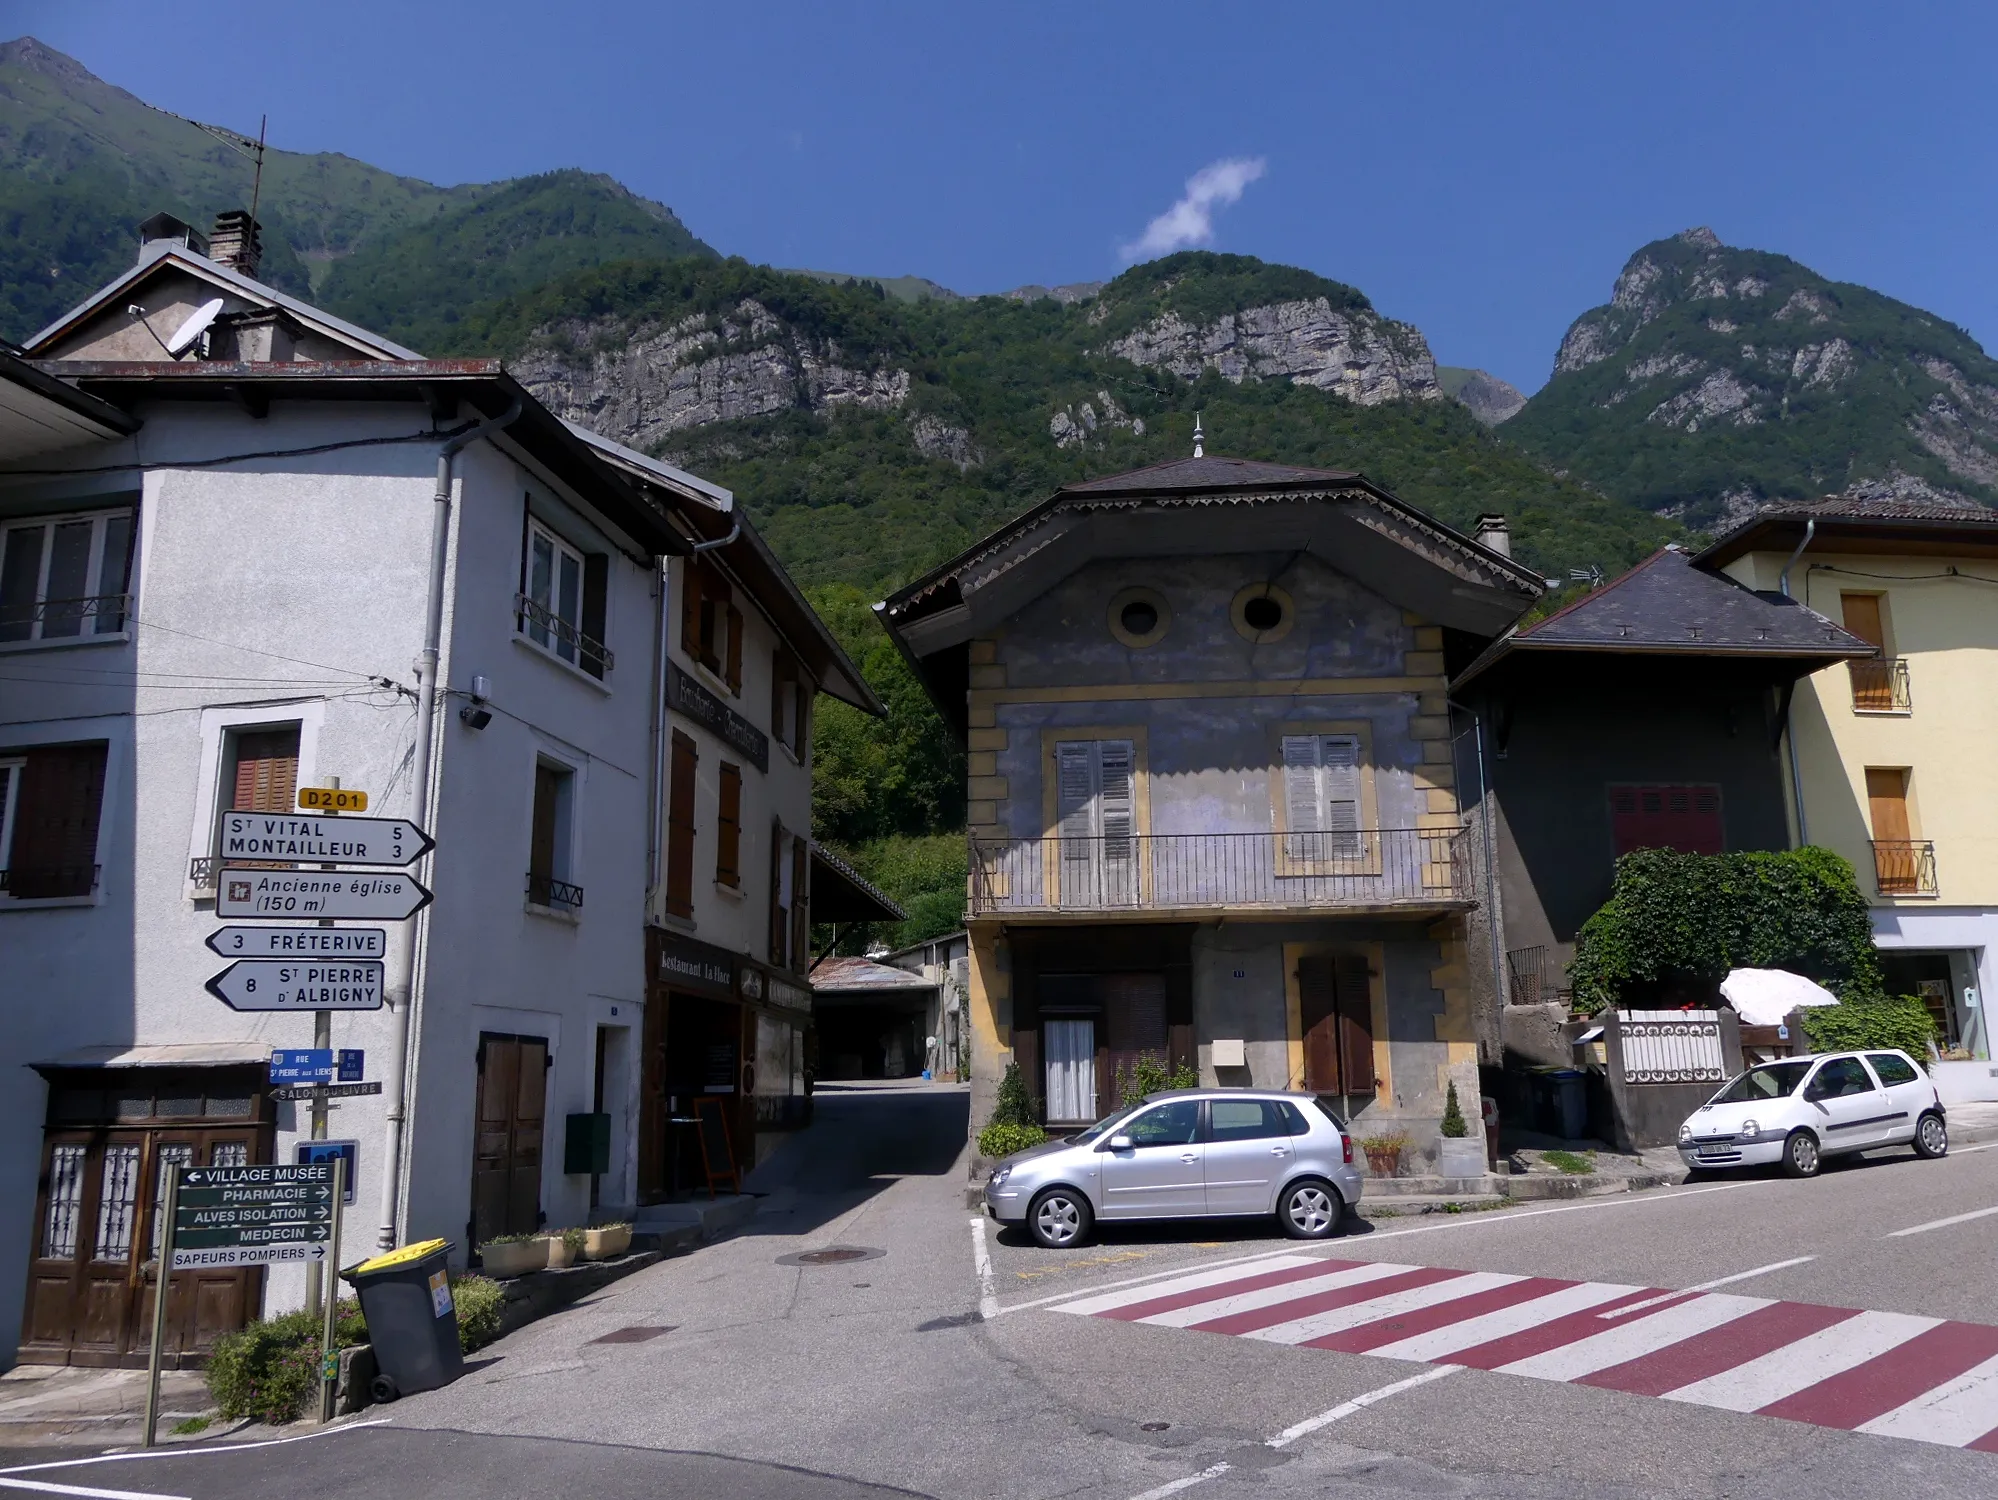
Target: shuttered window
801, 905
680, 828
1096, 813
780, 897
790, 702
53, 799
1686, 818
563, 600
728, 828
263, 773
710, 624
1322, 796
732, 650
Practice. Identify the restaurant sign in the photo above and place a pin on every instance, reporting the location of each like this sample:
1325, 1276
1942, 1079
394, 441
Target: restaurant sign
698, 968
686, 696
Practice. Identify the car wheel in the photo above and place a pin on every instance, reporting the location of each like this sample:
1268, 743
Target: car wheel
1060, 1219
1801, 1157
1311, 1210
1931, 1136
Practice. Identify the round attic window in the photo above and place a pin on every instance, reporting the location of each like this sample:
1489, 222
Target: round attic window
1263, 612
1139, 617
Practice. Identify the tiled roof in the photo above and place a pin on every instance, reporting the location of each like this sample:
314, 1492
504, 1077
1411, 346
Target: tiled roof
1856, 508
1207, 474
1934, 524
842, 974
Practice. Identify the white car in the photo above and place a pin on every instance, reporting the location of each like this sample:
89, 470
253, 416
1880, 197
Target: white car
1799, 1110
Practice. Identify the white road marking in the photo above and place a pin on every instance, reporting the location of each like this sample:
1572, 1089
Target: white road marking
1270, 1296
1470, 1333
1359, 1403
1106, 1298
1214, 1472
193, 1450
1659, 1330
1982, 1213
1339, 1319
1706, 1286
981, 1257
1800, 1365
46, 1487
1953, 1414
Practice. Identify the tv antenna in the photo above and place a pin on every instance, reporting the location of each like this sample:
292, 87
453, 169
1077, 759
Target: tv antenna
252, 149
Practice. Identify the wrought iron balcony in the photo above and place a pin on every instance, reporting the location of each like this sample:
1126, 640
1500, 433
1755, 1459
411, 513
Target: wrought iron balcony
1880, 686
44, 882
202, 872
546, 890
551, 632
61, 619
1358, 870
1905, 867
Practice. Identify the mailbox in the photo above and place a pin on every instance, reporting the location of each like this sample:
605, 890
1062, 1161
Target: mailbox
586, 1145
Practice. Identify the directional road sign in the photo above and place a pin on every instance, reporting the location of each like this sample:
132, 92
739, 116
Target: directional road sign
234, 1216
322, 840
301, 1064
311, 1093
299, 942
277, 984
332, 799
364, 895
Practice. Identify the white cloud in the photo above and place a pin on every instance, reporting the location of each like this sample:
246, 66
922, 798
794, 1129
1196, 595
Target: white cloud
1191, 220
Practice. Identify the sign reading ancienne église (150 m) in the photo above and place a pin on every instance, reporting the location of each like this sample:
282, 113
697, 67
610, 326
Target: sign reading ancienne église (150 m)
355, 895
339, 841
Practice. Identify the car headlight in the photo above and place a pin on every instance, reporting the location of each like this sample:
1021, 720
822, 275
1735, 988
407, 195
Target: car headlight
1685, 1132
1750, 1130
999, 1176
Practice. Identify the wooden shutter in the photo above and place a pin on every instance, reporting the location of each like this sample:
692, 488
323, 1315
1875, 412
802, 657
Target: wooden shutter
266, 771
732, 671
1862, 618
1300, 788
1117, 809
1318, 1018
56, 816
1886, 800
1075, 789
691, 580
680, 828
541, 841
1339, 782
801, 904
780, 694
801, 714
728, 828
1356, 1024
779, 918
596, 591
1683, 817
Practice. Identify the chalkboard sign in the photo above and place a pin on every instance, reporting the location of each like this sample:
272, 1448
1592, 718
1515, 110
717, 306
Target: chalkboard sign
719, 1077
716, 1157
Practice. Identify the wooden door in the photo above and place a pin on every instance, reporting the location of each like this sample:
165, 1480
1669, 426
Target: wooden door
1872, 683
1887, 802
512, 1108
1335, 1011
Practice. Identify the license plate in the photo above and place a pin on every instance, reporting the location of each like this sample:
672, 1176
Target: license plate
1727, 1150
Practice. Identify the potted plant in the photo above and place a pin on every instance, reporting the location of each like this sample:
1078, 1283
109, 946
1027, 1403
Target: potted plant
563, 1247
1384, 1153
507, 1255
606, 1241
1457, 1154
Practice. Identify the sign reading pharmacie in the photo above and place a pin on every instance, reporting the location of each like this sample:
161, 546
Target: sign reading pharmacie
355, 895
686, 696
340, 841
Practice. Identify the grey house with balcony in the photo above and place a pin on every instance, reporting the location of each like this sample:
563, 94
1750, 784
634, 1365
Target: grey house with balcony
1213, 789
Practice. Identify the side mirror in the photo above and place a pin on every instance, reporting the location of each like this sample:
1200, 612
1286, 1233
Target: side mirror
1121, 1143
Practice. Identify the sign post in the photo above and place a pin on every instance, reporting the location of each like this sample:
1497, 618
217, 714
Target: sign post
329, 1357
163, 1265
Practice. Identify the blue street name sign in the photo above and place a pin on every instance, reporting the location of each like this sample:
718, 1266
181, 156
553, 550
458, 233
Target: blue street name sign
301, 1065
353, 1065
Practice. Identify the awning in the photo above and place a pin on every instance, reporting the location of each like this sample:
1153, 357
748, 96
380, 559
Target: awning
162, 1055
841, 893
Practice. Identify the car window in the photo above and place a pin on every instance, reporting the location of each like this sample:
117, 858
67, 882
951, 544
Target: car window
1101, 1128
1771, 1081
1174, 1124
1293, 1118
1244, 1120
1892, 1069
1329, 1112
1840, 1076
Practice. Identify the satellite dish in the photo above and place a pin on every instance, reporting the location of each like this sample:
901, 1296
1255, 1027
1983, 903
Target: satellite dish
194, 327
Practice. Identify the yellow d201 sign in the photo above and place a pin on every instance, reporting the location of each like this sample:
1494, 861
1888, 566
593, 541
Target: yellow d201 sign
332, 799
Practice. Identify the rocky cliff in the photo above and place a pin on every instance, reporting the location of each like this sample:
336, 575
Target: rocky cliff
1490, 399
1716, 378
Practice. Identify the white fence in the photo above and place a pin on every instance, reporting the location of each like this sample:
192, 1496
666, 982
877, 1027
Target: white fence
1671, 1046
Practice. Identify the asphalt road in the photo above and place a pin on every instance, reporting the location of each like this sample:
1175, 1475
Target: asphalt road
879, 1375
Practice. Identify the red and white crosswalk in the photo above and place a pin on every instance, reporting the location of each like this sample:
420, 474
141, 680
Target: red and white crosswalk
1891, 1373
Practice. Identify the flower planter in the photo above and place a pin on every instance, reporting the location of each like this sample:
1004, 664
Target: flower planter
1384, 1163
561, 1255
606, 1243
517, 1258
1460, 1156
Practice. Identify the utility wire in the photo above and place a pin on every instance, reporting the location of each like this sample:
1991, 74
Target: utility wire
138, 466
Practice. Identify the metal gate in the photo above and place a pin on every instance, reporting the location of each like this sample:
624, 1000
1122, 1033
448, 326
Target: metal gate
1672, 1046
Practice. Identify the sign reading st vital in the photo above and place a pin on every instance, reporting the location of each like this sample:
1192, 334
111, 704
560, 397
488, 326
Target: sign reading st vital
275, 984
338, 841
355, 895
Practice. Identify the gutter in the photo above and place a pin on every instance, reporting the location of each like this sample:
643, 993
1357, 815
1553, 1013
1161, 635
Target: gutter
1789, 725
401, 994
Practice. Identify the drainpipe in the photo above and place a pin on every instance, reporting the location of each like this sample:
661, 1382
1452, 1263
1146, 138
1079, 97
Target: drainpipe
1789, 717
401, 995
1487, 814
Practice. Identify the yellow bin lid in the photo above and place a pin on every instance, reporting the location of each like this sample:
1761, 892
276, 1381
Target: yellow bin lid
396, 1257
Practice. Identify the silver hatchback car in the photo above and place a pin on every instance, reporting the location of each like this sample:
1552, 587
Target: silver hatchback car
1185, 1154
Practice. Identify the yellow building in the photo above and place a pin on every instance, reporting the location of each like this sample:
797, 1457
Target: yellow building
1889, 760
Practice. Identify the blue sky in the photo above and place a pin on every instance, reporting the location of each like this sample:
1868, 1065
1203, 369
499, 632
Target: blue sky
1481, 171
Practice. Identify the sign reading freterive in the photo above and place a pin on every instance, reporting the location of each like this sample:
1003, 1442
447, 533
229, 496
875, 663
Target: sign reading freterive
299, 942
685, 695
341, 841
242, 1216
275, 984
354, 895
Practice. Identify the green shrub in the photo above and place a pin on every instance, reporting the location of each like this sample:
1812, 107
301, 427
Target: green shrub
1150, 1075
1453, 1117
1003, 1139
1014, 1105
1569, 1161
1696, 916
269, 1370
480, 1301
1901, 1021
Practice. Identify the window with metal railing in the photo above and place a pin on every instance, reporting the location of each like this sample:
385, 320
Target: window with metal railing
560, 606
1880, 685
1905, 867
64, 577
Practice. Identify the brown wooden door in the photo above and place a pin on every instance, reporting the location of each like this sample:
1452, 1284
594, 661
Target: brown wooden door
1887, 802
506, 1166
97, 1239
1872, 685
1335, 1011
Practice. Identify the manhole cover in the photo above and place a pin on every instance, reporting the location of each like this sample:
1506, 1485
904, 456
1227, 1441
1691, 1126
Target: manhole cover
637, 1333
830, 1255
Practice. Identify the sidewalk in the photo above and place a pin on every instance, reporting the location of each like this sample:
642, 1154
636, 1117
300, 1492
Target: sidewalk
58, 1403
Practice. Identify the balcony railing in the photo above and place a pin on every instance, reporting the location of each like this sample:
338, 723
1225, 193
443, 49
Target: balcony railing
546, 890
1880, 686
61, 619
551, 632
1905, 867
46, 882
1363, 869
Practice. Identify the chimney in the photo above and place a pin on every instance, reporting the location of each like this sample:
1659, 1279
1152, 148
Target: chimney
163, 231
1492, 532
237, 242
